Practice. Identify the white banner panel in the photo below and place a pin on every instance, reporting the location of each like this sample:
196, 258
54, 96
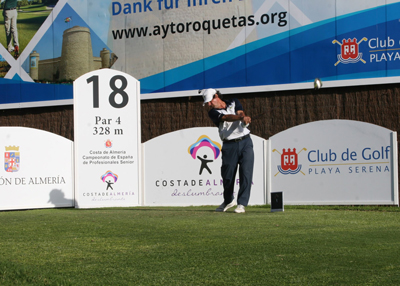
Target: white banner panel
183, 169
335, 162
107, 139
37, 170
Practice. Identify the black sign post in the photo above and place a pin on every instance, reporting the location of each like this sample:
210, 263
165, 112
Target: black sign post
277, 202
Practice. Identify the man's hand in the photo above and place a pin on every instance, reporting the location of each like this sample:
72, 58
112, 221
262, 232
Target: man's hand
247, 120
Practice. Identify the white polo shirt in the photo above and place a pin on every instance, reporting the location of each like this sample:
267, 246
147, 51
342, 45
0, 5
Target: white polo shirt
229, 130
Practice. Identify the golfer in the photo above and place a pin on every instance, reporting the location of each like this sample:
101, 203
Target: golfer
10, 15
237, 147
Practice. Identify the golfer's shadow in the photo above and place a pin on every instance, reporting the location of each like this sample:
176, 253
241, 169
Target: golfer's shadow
57, 198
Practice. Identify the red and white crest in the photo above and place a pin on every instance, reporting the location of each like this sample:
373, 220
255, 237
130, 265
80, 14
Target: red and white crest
349, 49
289, 160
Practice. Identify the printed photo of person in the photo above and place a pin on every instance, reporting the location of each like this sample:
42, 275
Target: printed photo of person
21, 20
10, 15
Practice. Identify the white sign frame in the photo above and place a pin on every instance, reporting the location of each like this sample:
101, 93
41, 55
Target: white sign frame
174, 177
108, 158
349, 175
42, 172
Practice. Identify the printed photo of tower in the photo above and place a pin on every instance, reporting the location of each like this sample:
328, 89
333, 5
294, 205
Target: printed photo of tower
66, 49
76, 58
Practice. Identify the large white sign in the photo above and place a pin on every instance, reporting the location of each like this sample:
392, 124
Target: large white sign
335, 162
107, 139
183, 168
37, 169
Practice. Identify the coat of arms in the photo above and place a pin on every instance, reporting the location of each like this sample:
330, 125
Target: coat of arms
11, 159
289, 162
349, 52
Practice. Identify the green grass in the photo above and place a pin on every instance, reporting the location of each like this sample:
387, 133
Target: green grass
196, 246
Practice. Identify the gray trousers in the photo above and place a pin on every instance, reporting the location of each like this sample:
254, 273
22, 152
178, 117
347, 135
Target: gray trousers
10, 24
237, 154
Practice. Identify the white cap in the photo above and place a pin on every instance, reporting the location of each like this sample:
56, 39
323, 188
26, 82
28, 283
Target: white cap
208, 95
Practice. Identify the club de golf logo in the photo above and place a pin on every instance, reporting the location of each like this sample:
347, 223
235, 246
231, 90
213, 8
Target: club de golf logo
204, 141
109, 178
349, 51
289, 162
11, 159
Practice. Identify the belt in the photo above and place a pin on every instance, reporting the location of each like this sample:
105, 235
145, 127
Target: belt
238, 139
10, 9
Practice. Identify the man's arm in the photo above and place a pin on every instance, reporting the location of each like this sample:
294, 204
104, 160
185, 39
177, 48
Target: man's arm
239, 116
231, 117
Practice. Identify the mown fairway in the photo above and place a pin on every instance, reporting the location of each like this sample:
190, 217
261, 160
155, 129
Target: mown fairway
196, 246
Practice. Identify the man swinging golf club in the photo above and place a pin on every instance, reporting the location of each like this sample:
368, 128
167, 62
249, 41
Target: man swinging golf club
237, 147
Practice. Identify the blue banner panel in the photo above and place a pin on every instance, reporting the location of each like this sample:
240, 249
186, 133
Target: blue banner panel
175, 48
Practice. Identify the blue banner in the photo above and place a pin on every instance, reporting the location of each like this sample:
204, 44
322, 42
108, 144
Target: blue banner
175, 47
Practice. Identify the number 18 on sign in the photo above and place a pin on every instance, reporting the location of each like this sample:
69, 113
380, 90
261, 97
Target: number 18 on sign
107, 139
